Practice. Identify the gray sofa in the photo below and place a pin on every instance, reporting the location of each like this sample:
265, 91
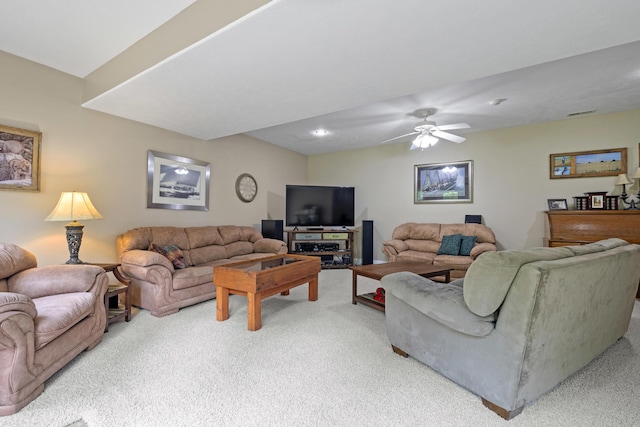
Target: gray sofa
157, 282
520, 322
48, 315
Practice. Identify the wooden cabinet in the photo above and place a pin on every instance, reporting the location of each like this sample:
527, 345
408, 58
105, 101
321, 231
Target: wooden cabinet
335, 248
580, 227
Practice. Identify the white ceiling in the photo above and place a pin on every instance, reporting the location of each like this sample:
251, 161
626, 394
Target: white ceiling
355, 67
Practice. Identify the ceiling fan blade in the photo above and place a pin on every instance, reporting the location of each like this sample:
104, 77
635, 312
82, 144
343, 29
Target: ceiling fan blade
398, 137
449, 136
454, 126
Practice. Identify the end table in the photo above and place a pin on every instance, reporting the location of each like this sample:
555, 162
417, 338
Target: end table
113, 309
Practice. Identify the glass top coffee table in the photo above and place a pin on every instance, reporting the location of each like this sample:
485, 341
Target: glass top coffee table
261, 278
378, 271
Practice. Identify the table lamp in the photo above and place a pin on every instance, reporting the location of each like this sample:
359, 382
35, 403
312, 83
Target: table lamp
73, 206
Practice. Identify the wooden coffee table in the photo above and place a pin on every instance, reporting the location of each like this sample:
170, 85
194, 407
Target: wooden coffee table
262, 278
378, 271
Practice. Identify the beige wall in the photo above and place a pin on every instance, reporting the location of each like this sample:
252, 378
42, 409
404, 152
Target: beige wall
84, 150
511, 176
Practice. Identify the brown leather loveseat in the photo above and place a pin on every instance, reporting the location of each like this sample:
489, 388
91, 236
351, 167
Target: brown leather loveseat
455, 245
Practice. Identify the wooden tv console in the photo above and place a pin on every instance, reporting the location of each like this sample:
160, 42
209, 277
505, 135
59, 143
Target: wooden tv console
573, 227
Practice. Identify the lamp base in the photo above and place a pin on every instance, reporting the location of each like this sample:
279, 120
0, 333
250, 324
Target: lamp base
74, 239
630, 205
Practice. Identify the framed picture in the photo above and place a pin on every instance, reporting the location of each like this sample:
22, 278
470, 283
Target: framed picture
176, 182
443, 182
596, 200
557, 204
19, 159
588, 163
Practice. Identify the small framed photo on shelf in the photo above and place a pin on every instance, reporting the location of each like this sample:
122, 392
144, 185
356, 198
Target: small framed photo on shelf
596, 200
557, 204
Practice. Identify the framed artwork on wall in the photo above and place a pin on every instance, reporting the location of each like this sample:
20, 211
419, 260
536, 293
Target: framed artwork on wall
588, 163
443, 182
19, 159
176, 182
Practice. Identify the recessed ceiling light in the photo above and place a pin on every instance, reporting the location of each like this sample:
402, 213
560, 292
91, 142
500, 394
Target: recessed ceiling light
320, 132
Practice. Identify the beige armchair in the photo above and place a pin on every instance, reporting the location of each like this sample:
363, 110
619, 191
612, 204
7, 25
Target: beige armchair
48, 315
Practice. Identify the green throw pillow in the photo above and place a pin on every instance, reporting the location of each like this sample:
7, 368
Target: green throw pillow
467, 243
450, 245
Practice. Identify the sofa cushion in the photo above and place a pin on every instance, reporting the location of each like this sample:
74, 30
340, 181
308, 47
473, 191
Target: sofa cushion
238, 248
412, 230
58, 313
206, 254
466, 244
490, 276
192, 276
172, 252
450, 245
442, 302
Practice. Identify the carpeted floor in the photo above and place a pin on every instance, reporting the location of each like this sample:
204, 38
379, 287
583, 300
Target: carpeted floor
323, 363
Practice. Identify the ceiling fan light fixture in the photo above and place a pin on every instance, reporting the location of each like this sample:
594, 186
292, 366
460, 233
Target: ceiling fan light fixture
425, 141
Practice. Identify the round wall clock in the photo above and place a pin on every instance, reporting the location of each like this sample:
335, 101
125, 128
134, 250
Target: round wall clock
246, 187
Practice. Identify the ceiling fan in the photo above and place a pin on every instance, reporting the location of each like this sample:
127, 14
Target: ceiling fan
429, 133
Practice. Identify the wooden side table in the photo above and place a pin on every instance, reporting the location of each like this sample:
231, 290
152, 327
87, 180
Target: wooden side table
112, 308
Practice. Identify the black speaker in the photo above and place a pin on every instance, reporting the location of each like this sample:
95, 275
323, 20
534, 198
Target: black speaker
273, 229
367, 242
473, 219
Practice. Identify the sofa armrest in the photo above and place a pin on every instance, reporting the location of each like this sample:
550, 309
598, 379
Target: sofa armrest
58, 279
142, 258
481, 248
14, 302
267, 245
394, 247
442, 302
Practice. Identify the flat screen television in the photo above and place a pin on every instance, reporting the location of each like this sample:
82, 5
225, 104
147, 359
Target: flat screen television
319, 206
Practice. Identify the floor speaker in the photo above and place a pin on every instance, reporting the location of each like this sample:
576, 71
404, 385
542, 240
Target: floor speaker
273, 229
367, 242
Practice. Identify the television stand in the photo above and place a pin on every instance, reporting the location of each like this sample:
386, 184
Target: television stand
315, 228
335, 248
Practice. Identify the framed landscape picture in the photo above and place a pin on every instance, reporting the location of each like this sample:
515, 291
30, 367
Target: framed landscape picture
176, 182
588, 163
443, 182
19, 159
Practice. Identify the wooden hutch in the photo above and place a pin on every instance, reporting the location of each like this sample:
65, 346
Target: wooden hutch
578, 227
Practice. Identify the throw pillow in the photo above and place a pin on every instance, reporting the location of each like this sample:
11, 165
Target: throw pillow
172, 252
467, 243
450, 245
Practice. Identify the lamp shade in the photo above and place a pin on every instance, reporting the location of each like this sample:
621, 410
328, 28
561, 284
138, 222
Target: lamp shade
623, 179
73, 206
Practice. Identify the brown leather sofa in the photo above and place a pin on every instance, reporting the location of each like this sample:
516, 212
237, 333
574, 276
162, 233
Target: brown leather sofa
48, 315
158, 286
423, 242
